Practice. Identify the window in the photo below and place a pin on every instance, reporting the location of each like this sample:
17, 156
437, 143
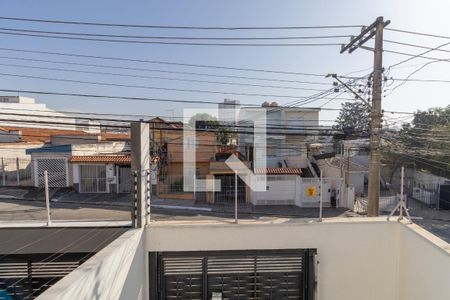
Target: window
93, 179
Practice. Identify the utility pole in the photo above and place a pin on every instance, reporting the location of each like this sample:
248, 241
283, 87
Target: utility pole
140, 166
375, 29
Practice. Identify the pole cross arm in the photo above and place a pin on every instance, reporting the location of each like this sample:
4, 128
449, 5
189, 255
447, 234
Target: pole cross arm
363, 37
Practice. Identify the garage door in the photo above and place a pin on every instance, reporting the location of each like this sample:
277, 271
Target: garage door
56, 170
262, 274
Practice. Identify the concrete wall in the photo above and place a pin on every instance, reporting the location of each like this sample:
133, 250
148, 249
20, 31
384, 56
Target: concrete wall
424, 265
116, 272
281, 190
358, 258
100, 148
352, 265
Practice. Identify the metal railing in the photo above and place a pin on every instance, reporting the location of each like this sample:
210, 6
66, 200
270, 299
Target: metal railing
15, 172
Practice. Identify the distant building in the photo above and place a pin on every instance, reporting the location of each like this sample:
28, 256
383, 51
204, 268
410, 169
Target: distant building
19, 111
228, 111
289, 130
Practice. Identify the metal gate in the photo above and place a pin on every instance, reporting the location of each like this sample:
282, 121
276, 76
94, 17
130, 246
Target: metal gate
56, 169
227, 190
24, 277
93, 179
444, 197
261, 274
124, 179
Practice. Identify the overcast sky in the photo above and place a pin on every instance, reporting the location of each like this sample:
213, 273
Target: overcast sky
424, 16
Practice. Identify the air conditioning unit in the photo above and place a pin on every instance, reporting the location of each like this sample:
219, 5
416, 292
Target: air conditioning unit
111, 180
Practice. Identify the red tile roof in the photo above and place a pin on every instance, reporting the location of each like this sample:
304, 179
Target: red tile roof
29, 134
43, 135
278, 171
116, 159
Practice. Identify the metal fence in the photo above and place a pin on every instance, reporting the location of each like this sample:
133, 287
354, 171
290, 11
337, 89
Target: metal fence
171, 184
386, 204
15, 171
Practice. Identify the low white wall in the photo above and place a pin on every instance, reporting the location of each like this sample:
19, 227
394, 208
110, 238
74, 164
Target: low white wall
282, 189
358, 259
116, 272
424, 265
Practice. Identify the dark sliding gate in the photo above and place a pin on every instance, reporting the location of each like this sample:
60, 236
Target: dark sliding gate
262, 274
26, 276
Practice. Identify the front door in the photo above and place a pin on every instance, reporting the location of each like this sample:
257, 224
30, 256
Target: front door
246, 274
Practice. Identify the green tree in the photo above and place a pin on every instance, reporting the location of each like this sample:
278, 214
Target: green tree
353, 118
206, 121
425, 142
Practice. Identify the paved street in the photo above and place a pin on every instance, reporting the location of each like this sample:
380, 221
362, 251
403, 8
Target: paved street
32, 210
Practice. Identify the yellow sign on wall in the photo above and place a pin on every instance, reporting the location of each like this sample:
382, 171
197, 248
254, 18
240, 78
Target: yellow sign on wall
311, 191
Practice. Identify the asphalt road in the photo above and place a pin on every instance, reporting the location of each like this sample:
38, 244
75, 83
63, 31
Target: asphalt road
20, 210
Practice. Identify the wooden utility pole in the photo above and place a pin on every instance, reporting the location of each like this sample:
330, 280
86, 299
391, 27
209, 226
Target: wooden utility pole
375, 29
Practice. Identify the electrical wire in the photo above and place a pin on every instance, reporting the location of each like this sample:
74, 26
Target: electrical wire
135, 98
149, 87
165, 71
172, 43
417, 46
175, 37
175, 27
163, 62
155, 77
417, 33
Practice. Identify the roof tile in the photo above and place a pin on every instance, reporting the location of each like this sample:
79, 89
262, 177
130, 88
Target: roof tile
117, 159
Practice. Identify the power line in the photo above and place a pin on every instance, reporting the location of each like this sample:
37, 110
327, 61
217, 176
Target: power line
419, 33
164, 62
417, 55
172, 43
152, 87
431, 80
417, 46
284, 127
160, 99
162, 71
175, 27
155, 77
176, 37
123, 115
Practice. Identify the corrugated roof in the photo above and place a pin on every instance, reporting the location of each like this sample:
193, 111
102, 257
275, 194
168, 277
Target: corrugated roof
116, 159
278, 171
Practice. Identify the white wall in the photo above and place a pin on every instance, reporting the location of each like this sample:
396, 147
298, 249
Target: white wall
424, 265
358, 259
279, 191
116, 272
307, 200
100, 148
428, 178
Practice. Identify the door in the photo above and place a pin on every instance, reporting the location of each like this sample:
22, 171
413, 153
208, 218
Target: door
246, 274
227, 190
93, 179
124, 179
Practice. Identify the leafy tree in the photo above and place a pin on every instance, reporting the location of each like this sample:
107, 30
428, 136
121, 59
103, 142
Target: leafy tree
206, 121
354, 118
425, 142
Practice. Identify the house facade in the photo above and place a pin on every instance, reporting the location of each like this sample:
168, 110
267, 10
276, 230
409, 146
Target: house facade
88, 168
